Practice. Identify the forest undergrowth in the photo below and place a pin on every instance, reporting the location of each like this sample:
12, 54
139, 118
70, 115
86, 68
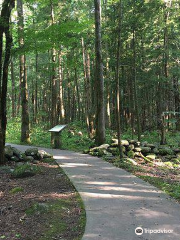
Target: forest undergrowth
75, 138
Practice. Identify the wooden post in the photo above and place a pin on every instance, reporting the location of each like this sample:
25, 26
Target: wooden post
55, 140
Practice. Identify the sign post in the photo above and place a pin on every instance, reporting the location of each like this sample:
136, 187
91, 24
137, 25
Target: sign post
55, 136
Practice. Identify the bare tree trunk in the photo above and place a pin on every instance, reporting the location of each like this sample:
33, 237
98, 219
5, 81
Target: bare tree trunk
87, 88
61, 102
118, 98
13, 89
77, 91
100, 111
7, 6
25, 127
36, 91
135, 88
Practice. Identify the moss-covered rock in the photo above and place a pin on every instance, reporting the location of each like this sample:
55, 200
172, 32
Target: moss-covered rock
130, 147
165, 151
114, 151
131, 154
176, 150
155, 151
15, 159
145, 150
86, 151
31, 151
152, 146
8, 151
123, 143
137, 149
132, 141
25, 170
151, 157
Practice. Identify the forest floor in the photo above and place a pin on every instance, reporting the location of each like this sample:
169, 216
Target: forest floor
43, 207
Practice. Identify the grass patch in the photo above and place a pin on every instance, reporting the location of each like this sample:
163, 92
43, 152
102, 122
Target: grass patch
25, 170
16, 190
57, 212
173, 189
165, 184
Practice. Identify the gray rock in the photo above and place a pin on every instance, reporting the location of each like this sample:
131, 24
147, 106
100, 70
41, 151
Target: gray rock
155, 150
124, 143
17, 152
131, 161
131, 147
35, 162
8, 151
15, 159
152, 146
145, 150
29, 158
176, 150
137, 154
5, 169
137, 149
31, 151
144, 144
132, 141
43, 154
151, 157
165, 151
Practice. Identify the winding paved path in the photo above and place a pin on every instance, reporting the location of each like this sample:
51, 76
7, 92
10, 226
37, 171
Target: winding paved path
117, 202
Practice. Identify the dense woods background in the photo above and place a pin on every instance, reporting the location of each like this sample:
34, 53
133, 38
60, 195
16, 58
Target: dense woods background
54, 76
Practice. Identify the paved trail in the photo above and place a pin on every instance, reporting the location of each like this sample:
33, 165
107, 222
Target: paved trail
116, 201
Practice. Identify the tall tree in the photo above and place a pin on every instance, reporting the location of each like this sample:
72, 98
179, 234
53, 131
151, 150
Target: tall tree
5, 53
119, 56
25, 126
100, 111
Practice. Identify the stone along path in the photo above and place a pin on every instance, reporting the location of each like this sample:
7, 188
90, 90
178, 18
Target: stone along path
117, 202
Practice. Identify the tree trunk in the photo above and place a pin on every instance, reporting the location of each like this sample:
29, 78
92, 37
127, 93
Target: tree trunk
118, 97
100, 111
13, 89
4, 64
25, 127
135, 87
61, 102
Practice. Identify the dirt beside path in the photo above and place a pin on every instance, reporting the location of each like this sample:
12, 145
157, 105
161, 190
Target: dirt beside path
43, 207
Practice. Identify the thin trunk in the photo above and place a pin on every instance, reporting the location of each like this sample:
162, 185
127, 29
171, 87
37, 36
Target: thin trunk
25, 128
118, 97
61, 101
36, 91
13, 89
77, 91
135, 87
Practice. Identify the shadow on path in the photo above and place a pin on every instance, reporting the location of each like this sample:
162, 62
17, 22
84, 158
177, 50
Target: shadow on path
116, 201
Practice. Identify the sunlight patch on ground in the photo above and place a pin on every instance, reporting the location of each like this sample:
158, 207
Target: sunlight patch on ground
69, 165
111, 196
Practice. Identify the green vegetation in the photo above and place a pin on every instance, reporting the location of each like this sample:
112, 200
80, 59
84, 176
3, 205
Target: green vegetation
25, 170
144, 172
16, 190
75, 136
173, 189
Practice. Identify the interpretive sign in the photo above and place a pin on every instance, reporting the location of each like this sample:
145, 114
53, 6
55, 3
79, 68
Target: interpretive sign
55, 135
